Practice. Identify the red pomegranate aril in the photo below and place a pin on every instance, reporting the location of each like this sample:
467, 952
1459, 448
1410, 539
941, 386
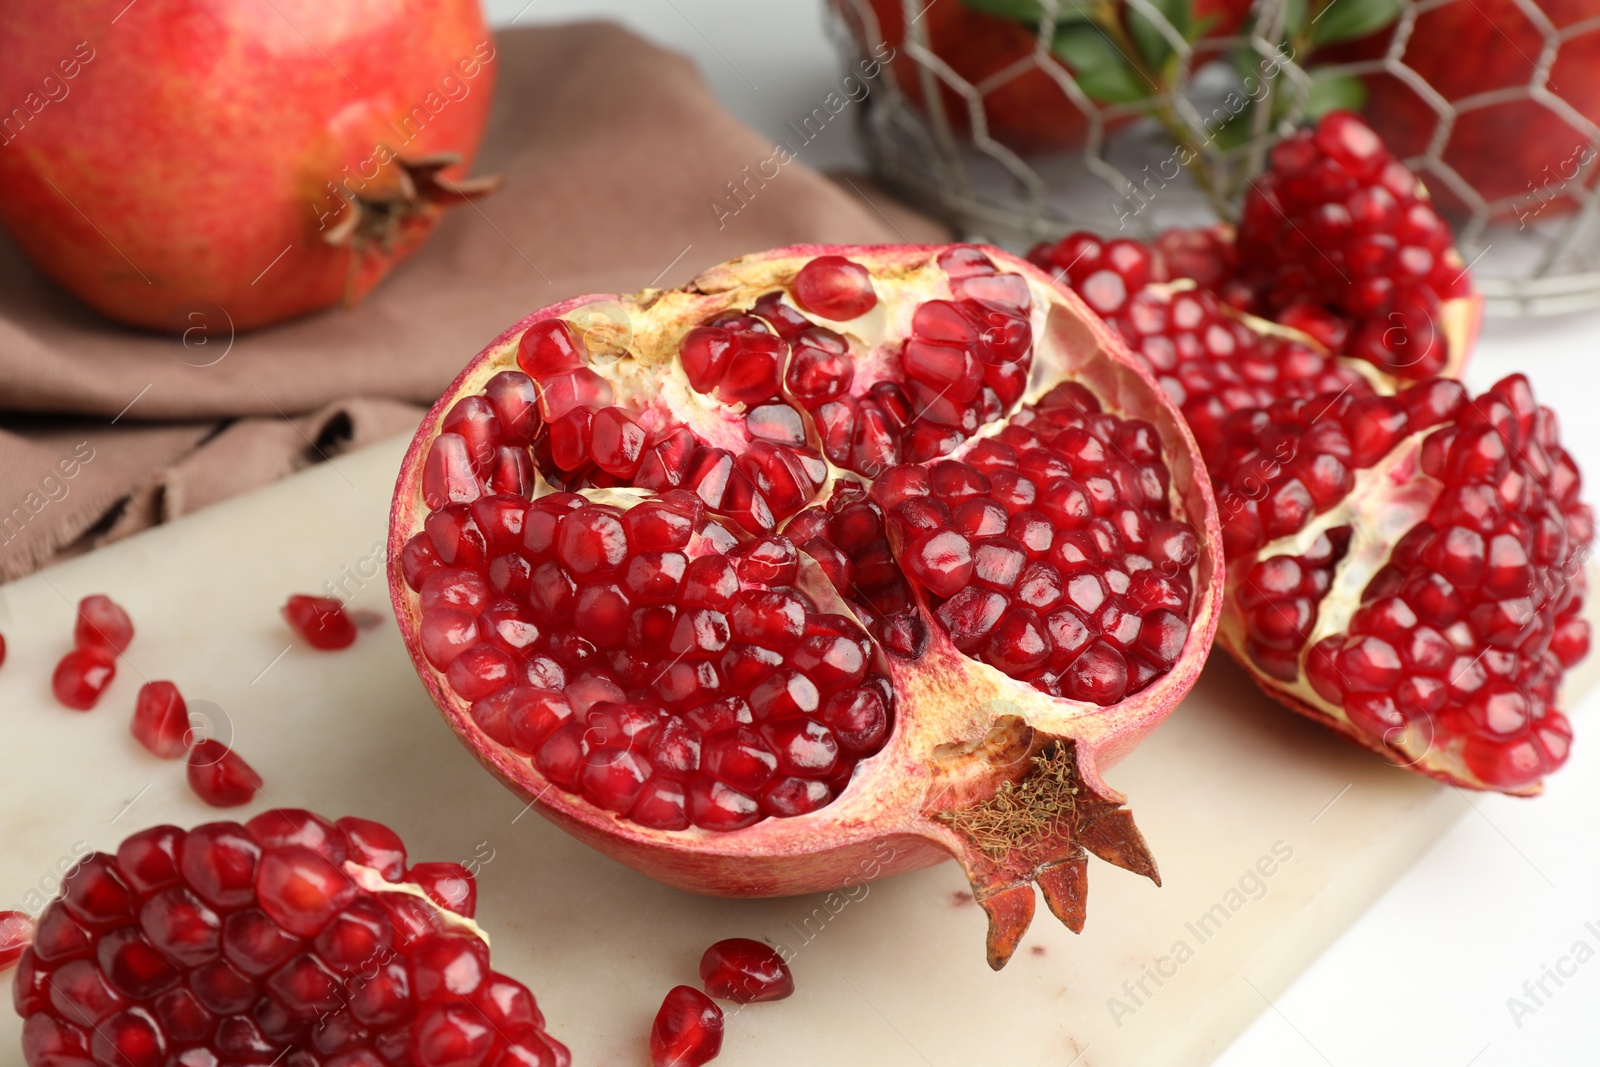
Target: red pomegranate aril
83, 675
745, 972
16, 934
218, 775
161, 720
449, 885
549, 347
102, 624
320, 621
832, 287
687, 1031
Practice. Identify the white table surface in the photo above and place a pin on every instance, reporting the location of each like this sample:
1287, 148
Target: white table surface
1426, 976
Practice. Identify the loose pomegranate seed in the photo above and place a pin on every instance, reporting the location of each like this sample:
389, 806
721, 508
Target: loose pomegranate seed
832, 287
321, 621
161, 720
2, 650
687, 1031
250, 944
82, 675
102, 624
219, 776
745, 971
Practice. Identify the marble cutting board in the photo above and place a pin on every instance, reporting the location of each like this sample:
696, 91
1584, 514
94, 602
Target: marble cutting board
1271, 835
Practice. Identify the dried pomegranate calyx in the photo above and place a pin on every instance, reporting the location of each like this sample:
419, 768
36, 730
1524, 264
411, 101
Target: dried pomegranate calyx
752, 597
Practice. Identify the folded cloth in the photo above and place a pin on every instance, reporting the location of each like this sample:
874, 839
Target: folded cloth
616, 159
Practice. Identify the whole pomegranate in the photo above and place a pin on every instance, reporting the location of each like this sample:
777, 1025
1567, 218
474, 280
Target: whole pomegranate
288, 940
1404, 564
266, 160
1523, 134
1025, 106
835, 563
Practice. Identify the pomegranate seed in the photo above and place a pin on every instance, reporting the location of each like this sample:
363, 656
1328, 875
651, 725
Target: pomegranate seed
550, 347
687, 1031
745, 971
161, 720
259, 925
102, 624
219, 776
449, 885
321, 621
833, 287
16, 934
82, 675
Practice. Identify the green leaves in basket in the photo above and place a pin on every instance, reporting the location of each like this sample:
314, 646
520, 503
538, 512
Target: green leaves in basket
1032, 12
1102, 71
1347, 20
1334, 92
1147, 32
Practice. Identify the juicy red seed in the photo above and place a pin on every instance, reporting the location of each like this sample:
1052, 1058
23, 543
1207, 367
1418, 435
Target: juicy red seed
549, 347
161, 720
82, 675
102, 624
321, 621
687, 1031
449, 885
300, 890
16, 934
219, 776
745, 971
833, 287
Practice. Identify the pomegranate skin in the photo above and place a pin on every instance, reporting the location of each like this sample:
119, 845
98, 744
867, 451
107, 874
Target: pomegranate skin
961, 730
195, 157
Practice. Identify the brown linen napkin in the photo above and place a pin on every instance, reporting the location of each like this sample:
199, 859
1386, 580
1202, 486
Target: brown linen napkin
613, 153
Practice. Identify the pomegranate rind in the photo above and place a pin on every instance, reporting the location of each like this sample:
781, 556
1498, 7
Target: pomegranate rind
962, 729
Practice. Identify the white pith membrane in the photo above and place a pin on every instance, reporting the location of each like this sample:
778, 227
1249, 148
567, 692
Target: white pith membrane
964, 737
372, 880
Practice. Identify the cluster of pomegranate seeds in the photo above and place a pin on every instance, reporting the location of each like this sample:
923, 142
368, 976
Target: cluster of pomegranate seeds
1338, 235
687, 1031
745, 972
1049, 550
1209, 362
1465, 631
220, 776
101, 633
161, 720
287, 940
652, 663
321, 621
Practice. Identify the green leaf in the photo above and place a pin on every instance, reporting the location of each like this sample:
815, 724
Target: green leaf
1347, 20
1102, 71
1334, 93
1294, 18
1032, 12
1153, 44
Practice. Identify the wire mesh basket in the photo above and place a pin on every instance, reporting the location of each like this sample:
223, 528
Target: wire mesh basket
1021, 120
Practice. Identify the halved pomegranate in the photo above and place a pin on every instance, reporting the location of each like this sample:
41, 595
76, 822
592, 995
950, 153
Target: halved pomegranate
835, 563
1404, 564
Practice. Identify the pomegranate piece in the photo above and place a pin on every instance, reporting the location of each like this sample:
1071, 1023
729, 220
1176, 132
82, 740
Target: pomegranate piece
161, 720
82, 675
102, 624
264, 941
321, 621
745, 971
219, 776
310, 241
687, 1031
2, 650
1446, 573
727, 619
